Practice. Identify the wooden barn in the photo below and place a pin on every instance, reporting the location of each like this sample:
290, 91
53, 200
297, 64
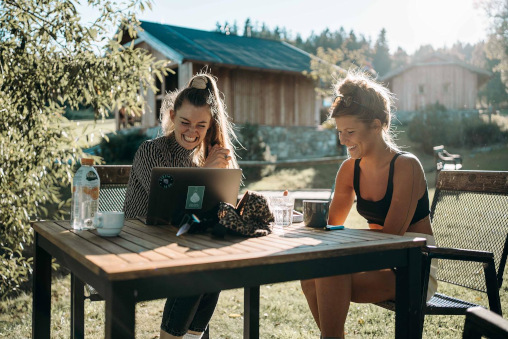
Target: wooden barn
262, 80
438, 78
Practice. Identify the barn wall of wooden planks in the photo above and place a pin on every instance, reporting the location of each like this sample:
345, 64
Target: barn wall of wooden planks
453, 86
266, 97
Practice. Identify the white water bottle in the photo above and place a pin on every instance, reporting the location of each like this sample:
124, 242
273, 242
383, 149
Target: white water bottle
85, 196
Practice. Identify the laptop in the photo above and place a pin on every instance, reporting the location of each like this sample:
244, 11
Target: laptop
176, 191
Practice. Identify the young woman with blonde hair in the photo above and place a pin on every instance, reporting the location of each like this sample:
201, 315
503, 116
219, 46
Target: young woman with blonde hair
391, 193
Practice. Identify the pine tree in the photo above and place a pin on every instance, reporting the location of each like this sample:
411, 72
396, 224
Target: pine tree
381, 60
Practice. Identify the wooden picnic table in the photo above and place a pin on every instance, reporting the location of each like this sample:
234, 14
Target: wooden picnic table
150, 262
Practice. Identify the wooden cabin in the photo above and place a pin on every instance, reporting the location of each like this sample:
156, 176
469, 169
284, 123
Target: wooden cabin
262, 80
438, 78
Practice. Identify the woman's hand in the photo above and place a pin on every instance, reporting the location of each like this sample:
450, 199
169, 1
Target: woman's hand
218, 157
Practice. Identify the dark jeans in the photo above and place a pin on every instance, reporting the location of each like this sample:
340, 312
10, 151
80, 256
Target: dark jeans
188, 313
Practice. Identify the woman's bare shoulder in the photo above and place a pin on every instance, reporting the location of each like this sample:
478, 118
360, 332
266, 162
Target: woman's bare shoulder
408, 159
407, 164
348, 164
345, 173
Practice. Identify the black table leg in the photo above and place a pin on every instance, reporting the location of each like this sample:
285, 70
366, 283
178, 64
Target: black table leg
120, 313
408, 297
77, 308
41, 314
251, 313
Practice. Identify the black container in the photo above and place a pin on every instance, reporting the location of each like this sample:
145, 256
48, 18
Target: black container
315, 213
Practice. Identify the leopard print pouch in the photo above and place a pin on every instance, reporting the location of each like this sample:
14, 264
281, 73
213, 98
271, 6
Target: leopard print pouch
250, 218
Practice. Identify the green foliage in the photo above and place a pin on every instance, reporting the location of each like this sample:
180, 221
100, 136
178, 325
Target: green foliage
49, 61
121, 148
331, 64
254, 149
434, 125
479, 134
497, 43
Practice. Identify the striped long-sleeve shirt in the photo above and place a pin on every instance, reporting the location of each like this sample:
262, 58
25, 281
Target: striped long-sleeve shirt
160, 152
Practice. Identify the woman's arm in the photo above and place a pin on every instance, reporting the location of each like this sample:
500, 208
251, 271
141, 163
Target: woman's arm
344, 194
408, 186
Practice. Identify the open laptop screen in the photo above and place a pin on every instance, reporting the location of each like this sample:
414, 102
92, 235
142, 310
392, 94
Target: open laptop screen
175, 191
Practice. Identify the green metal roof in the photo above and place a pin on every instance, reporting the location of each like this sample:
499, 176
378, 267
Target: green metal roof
213, 47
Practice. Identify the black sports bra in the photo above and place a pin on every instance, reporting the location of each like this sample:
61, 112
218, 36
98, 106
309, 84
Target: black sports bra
375, 211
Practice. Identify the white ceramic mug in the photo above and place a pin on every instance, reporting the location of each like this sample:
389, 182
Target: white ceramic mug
109, 223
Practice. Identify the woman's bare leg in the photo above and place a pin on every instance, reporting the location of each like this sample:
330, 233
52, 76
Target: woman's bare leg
329, 298
373, 287
309, 290
333, 299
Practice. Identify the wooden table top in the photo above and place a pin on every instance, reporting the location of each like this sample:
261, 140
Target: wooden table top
144, 251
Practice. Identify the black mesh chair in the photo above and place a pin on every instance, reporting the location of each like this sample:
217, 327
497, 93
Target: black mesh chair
470, 223
114, 180
484, 323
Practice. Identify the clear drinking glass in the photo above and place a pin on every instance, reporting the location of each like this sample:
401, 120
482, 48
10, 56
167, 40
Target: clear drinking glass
282, 209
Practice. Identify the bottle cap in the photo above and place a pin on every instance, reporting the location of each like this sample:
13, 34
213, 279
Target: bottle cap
87, 161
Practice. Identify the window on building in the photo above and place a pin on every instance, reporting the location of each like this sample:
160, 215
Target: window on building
421, 89
169, 83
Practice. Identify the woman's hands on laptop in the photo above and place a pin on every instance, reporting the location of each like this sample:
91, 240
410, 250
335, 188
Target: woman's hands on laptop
218, 157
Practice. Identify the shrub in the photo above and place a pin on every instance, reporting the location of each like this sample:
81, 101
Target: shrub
436, 126
48, 60
254, 148
478, 134
121, 147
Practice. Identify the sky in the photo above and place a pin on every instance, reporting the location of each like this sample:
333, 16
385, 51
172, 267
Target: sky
409, 23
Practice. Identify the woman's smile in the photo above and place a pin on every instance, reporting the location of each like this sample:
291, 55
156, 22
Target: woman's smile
189, 139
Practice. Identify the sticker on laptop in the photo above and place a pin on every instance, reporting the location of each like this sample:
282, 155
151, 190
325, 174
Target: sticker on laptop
166, 181
195, 195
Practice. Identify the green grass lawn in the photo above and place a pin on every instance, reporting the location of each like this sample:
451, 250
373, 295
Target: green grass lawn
283, 314
90, 132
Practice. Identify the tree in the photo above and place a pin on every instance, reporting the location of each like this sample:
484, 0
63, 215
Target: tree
331, 64
422, 53
381, 59
493, 93
247, 28
49, 60
226, 28
497, 43
400, 58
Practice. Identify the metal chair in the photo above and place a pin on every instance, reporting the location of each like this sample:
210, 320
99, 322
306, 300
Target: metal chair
469, 221
446, 160
484, 323
114, 180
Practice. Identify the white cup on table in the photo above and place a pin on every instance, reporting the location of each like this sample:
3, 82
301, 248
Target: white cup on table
109, 223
